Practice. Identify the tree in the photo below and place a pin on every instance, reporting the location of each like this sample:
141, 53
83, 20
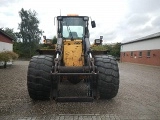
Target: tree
29, 32
54, 40
115, 50
28, 27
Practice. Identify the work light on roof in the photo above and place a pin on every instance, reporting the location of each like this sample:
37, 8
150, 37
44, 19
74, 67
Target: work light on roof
59, 18
86, 18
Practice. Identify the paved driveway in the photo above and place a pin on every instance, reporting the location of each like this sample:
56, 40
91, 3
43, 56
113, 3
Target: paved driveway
138, 97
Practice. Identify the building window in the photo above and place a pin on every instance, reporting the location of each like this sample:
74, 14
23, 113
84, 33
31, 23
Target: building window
131, 54
148, 53
140, 54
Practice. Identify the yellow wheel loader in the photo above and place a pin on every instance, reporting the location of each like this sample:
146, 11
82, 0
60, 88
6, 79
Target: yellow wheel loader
72, 60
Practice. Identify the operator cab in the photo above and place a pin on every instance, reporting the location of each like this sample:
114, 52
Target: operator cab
73, 30
73, 26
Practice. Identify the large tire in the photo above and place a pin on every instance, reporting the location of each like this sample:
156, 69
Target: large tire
39, 77
108, 78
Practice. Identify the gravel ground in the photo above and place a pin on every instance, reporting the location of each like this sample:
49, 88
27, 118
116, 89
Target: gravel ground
138, 97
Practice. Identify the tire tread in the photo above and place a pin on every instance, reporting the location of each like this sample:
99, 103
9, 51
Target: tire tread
39, 77
108, 78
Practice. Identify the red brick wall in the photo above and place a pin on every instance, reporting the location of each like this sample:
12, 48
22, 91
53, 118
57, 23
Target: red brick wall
154, 58
5, 39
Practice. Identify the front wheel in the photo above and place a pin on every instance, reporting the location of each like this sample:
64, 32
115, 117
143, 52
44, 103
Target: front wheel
39, 77
108, 78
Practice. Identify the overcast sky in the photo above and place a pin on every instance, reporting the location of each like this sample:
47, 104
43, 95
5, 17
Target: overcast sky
116, 20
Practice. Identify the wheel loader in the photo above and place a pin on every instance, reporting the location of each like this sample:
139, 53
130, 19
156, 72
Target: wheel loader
72, 60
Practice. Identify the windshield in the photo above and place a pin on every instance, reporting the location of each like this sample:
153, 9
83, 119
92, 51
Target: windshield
73, 27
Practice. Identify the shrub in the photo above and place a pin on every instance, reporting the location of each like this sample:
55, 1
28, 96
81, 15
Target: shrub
6, 56
99, 48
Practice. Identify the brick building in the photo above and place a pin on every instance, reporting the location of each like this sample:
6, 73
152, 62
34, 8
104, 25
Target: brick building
145, 50
6, 44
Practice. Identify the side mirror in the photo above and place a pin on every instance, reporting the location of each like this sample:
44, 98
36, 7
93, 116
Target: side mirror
93, 24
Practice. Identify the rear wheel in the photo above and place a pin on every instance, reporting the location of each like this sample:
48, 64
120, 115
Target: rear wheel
108, 78
39, 77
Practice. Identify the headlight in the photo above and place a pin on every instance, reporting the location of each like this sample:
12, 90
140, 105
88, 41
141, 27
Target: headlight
97, 41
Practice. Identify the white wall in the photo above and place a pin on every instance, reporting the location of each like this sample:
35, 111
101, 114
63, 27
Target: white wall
6, 46
151, 44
